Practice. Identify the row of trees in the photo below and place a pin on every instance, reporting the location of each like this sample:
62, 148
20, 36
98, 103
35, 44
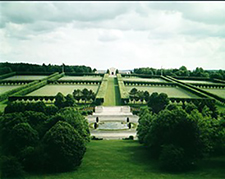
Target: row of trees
157, 102
26, 67
182, 71
179, 137
41, 141
69, 100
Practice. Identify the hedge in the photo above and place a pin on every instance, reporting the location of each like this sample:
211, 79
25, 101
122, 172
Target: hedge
55, 77
31, 88
141, 75
10, 82
102, 90
149, 83
7, 75
198, 90
8, 93
77, 81
84, 74
218, 81
123, 91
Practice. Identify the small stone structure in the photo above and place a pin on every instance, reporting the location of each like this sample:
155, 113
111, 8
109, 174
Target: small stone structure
112, 71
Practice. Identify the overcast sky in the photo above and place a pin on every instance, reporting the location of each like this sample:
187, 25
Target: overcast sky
125, 35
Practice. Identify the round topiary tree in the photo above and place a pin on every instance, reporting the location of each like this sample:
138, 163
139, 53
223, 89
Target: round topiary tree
64, 147
22, 135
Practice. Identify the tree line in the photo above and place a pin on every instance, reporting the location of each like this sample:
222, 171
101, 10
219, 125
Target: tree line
26, 67
182, 71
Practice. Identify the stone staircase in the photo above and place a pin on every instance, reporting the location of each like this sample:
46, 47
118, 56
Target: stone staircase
121, 114
112, 114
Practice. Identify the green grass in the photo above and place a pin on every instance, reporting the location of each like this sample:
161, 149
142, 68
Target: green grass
219, 92
118, 159
112, 97
51, 90
25, 77
170, 91
143, 79
81, 78
5, 88
197, 81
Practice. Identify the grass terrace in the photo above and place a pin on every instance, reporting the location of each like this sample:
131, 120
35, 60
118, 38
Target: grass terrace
52, 90
25, 77
198, 81
218, 92
83, 78
133, 78
175, 92
5, 88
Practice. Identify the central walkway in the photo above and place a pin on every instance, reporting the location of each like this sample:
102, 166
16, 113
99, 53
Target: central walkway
112, 97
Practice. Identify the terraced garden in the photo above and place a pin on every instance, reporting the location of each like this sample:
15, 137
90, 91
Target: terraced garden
198, 81
143, 79
219, 92
82, 78
5, 88
52, 90
25, 77
175, 92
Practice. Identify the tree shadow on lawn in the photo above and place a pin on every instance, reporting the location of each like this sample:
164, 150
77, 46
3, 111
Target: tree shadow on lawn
140, 155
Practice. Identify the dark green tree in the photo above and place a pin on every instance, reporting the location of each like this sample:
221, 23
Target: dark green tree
64, 147
158, 102
60, 100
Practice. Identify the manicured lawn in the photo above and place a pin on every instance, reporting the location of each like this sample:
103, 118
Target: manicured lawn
4, 88
170, 91
219, 92
112, 97
119, 159
51, 90
198, 81
25, 77
143, 79
81, 78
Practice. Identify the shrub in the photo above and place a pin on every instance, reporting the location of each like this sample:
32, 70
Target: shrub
64, 147
75, 119
21, 136
60, 100
158, 102
11, 168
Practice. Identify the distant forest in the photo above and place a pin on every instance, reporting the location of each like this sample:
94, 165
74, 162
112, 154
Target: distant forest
183, 71
26, 67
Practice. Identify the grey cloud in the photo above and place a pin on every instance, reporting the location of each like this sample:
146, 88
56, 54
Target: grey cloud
204, 12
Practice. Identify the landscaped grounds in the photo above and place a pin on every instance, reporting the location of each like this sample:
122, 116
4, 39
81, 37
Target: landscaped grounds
52, 90
5, 88
142, 79
119, 159
198, 81
219, 92
81, 78
25, 77
174, 92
